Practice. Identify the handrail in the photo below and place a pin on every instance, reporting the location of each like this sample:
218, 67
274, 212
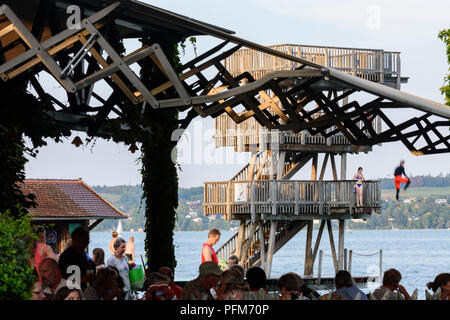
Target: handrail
250, 132
370, 64
292, 197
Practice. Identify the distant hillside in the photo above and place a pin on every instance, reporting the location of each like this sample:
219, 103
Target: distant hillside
189, 212
419, 181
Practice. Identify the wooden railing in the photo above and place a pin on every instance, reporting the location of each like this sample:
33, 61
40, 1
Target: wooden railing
230, 247
278, 197
370, 64
250, 132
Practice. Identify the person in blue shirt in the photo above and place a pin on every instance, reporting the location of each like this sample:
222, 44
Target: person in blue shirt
345, 286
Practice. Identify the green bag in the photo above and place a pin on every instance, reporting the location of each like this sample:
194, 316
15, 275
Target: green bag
137, 278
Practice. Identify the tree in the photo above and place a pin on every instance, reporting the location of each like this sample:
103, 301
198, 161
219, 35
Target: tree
16, 277
444, 35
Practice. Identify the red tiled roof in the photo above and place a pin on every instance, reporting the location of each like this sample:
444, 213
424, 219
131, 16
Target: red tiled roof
68, 199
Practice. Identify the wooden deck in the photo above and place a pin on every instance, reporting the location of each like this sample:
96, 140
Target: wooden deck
370, 64
250, 133
277, 199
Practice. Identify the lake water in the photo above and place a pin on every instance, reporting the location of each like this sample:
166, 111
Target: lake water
418, 254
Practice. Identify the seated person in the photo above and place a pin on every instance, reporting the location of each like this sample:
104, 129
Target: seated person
345, 286
391, 283
287, 286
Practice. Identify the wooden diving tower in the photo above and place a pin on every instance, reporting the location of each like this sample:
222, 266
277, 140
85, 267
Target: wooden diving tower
271, 208
285, 104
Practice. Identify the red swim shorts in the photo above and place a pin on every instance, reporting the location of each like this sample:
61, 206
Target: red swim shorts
399, 179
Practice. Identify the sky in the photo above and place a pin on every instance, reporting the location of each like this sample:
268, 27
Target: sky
410, 27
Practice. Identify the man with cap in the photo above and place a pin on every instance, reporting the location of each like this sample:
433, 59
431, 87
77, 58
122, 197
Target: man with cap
200, 288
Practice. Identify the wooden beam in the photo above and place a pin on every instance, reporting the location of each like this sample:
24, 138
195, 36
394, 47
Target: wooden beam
341, 244
324, 165
316, 248
262, 244
244, 259
308, 250
332, 246
271, 246
240, 239
333, 166
96, 223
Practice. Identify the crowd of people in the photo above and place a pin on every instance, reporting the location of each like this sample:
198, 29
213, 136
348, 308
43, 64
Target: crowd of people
74, 275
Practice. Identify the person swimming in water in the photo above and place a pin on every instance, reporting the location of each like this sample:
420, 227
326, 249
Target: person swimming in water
358, 177
398, 178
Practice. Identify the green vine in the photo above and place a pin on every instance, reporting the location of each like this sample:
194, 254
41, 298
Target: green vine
444, 35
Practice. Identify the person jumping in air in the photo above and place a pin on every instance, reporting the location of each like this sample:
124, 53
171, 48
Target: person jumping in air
399, 171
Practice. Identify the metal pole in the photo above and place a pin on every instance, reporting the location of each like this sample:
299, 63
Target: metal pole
381, 264
345, 259
350, 261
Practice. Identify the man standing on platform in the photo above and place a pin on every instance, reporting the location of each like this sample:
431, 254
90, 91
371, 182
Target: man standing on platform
208, 253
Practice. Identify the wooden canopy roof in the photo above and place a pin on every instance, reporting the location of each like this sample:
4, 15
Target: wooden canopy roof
59, 199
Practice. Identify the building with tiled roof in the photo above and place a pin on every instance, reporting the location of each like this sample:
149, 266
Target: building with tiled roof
63, 205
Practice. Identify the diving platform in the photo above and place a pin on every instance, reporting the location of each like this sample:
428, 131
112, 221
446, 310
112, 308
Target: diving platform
250, 135
375, 65
290, 200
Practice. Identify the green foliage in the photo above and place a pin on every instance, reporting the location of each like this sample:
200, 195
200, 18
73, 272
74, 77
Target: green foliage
21, 115
159, 173
16, 272
444, 35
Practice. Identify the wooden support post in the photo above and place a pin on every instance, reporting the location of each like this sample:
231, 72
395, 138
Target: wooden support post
240, 239
251, 167
280, 165
316, 247
314, 167
228, 205
262, 245
271, 246
319, 271
245, 256
345, 260
308, 250
324, 165
333, 167
350, 261
341, 244
332, 246
344, 166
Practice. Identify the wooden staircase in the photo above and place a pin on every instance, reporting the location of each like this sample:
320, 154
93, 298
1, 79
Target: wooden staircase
285, 231
258, 169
